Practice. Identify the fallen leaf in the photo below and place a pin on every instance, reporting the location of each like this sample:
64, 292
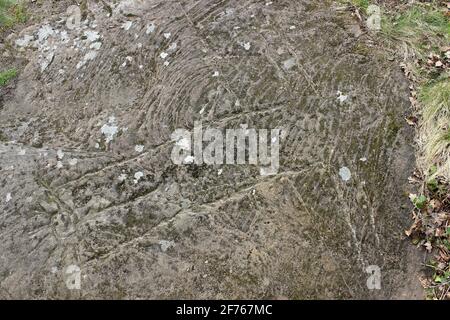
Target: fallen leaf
412, 120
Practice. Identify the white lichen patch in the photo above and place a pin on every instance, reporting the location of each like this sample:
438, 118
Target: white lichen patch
139, 148
64, 37
150, 28
110, 129
8, 197
246, 45
345, 174
91, 55
91, 35
96, 45
167, 35
127, 60
163, 55
44, 32
215, 74
289, 64
25, 41
173, 46
122, 177
60, 154
138, 176
341, 97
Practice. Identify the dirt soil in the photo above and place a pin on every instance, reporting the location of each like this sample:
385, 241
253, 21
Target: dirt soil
68, 189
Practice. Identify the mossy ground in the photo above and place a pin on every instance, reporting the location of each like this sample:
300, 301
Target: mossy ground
420, 34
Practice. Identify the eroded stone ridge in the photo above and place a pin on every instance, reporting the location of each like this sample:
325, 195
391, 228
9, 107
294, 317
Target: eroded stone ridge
87, 181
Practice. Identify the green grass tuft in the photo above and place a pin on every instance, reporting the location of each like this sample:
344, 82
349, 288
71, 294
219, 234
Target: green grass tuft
6, 76
11, 13
420, 31
420, 27
361, 4
435, 99
436, 96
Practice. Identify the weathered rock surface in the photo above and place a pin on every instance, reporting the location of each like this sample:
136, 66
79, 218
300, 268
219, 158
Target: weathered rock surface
88, 96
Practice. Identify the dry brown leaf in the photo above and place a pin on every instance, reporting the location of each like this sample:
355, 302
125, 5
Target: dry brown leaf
412, 120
